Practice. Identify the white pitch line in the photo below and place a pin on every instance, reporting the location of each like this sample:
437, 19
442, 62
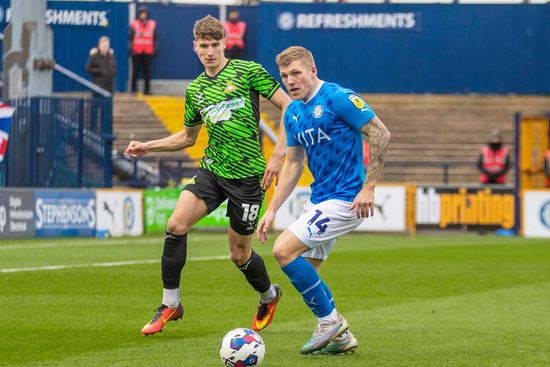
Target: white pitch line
106, 264
98, 242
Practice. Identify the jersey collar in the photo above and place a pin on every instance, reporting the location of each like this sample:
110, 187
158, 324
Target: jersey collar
219, 72
321, 82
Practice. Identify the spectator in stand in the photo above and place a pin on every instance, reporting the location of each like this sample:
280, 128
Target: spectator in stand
494, 160
547, 167
235, 30
143, 46
101, 65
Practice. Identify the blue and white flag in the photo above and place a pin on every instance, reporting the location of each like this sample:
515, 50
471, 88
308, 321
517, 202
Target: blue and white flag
6, 112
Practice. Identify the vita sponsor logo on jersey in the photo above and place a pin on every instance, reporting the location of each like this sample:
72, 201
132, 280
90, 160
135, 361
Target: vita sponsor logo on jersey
222, 111
312, 136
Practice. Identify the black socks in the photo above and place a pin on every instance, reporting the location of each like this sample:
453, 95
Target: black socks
173, 259
256, 273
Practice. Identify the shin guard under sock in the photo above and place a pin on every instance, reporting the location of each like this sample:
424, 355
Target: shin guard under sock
305, 279
173, 259
256, 273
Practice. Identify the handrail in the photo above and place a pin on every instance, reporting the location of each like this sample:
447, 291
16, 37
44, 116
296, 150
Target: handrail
445, 166
430, 164
77, 78
184, 163
268, 132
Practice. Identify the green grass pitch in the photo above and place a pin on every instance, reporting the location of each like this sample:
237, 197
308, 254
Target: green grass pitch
447, 300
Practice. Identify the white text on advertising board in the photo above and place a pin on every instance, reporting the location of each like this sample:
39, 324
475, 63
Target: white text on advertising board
55, 213
18, 216
287, 21
82, 18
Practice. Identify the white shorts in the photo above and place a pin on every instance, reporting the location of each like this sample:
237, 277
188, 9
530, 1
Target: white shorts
321, 224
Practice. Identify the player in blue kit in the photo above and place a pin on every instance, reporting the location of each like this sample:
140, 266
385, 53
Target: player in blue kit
327, 123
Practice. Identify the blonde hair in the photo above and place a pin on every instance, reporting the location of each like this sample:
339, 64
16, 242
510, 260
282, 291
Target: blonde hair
208, 28
294, 53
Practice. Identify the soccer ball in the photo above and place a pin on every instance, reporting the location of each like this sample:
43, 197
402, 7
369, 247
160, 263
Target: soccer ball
242, 347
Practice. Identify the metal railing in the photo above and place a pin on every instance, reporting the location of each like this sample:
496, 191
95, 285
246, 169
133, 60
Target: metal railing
444, 166
77, 78
152, 171
59, 142
141, 171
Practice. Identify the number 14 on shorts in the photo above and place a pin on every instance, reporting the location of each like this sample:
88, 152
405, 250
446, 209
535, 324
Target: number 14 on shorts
321, 224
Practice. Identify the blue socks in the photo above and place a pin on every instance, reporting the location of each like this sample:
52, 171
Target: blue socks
329, 294
306, 280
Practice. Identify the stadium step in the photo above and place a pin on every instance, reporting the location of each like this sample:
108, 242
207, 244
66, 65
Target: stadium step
133, 119
437, 129
170, 112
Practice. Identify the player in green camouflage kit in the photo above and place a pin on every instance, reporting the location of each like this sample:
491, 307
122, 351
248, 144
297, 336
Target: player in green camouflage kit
228, 106
225, 99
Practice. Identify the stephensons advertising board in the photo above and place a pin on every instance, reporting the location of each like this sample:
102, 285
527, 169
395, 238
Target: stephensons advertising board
65, 213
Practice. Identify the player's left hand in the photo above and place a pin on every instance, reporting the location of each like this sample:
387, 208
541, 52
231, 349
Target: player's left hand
272, 170
363, 204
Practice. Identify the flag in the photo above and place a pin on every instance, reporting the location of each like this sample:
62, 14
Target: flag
6, 112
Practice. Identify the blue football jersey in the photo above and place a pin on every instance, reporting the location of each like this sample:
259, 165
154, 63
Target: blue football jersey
328, 127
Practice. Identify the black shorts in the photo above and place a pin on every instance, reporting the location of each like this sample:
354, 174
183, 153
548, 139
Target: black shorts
244, 196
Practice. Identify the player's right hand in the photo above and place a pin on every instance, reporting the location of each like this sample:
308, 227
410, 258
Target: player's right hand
264, 225
135, 149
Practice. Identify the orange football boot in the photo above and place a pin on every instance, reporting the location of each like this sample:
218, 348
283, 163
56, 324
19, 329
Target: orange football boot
265, 311
163, 314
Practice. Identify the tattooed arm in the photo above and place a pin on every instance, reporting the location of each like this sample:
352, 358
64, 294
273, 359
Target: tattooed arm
378, 138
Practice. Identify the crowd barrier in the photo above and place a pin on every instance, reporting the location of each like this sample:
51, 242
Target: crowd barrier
398, 209
59, 141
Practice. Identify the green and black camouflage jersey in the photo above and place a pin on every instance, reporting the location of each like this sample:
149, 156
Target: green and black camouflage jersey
229, 106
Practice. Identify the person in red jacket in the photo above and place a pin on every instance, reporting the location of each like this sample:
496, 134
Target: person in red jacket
547, 167
365, 154
235, 30
142, 47
494, 160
